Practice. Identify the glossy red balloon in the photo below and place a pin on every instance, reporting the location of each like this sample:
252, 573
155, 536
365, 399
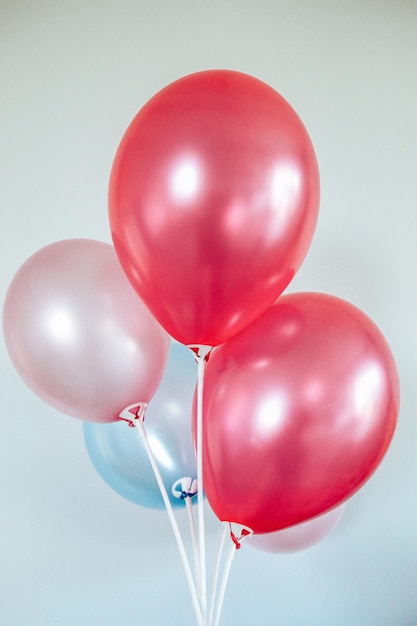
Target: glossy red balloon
213, 201
298, 411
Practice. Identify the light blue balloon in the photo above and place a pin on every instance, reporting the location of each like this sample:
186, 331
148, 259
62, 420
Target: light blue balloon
119, 455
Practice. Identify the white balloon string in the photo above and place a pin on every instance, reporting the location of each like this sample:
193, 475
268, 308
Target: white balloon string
225, 578
202, 355
193, 531
216, 573
138, 422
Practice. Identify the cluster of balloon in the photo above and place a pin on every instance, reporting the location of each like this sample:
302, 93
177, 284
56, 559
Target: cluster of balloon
213, 203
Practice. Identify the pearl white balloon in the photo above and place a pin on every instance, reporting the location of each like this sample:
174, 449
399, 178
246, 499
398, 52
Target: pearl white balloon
78, 334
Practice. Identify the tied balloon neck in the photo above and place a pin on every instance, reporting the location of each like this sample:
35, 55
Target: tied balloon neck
134, 413
184, 488
239, 533
201, 352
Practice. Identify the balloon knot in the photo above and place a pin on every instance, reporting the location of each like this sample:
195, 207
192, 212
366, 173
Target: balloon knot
201, 353
237, 540
185, 488
186, 494
136, 410
129, 422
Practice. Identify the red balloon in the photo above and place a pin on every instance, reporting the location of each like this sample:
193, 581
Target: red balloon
213, 201
298, 411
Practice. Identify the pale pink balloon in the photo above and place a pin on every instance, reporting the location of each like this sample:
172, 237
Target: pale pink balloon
78, 334
298, 537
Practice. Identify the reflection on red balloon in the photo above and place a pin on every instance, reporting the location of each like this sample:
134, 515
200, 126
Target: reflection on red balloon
299, 409
213, 202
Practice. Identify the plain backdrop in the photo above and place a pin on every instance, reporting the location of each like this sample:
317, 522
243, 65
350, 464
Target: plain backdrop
73, 74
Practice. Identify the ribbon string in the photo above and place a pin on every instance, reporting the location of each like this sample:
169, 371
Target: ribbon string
186, 488
202, 354
137, 421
